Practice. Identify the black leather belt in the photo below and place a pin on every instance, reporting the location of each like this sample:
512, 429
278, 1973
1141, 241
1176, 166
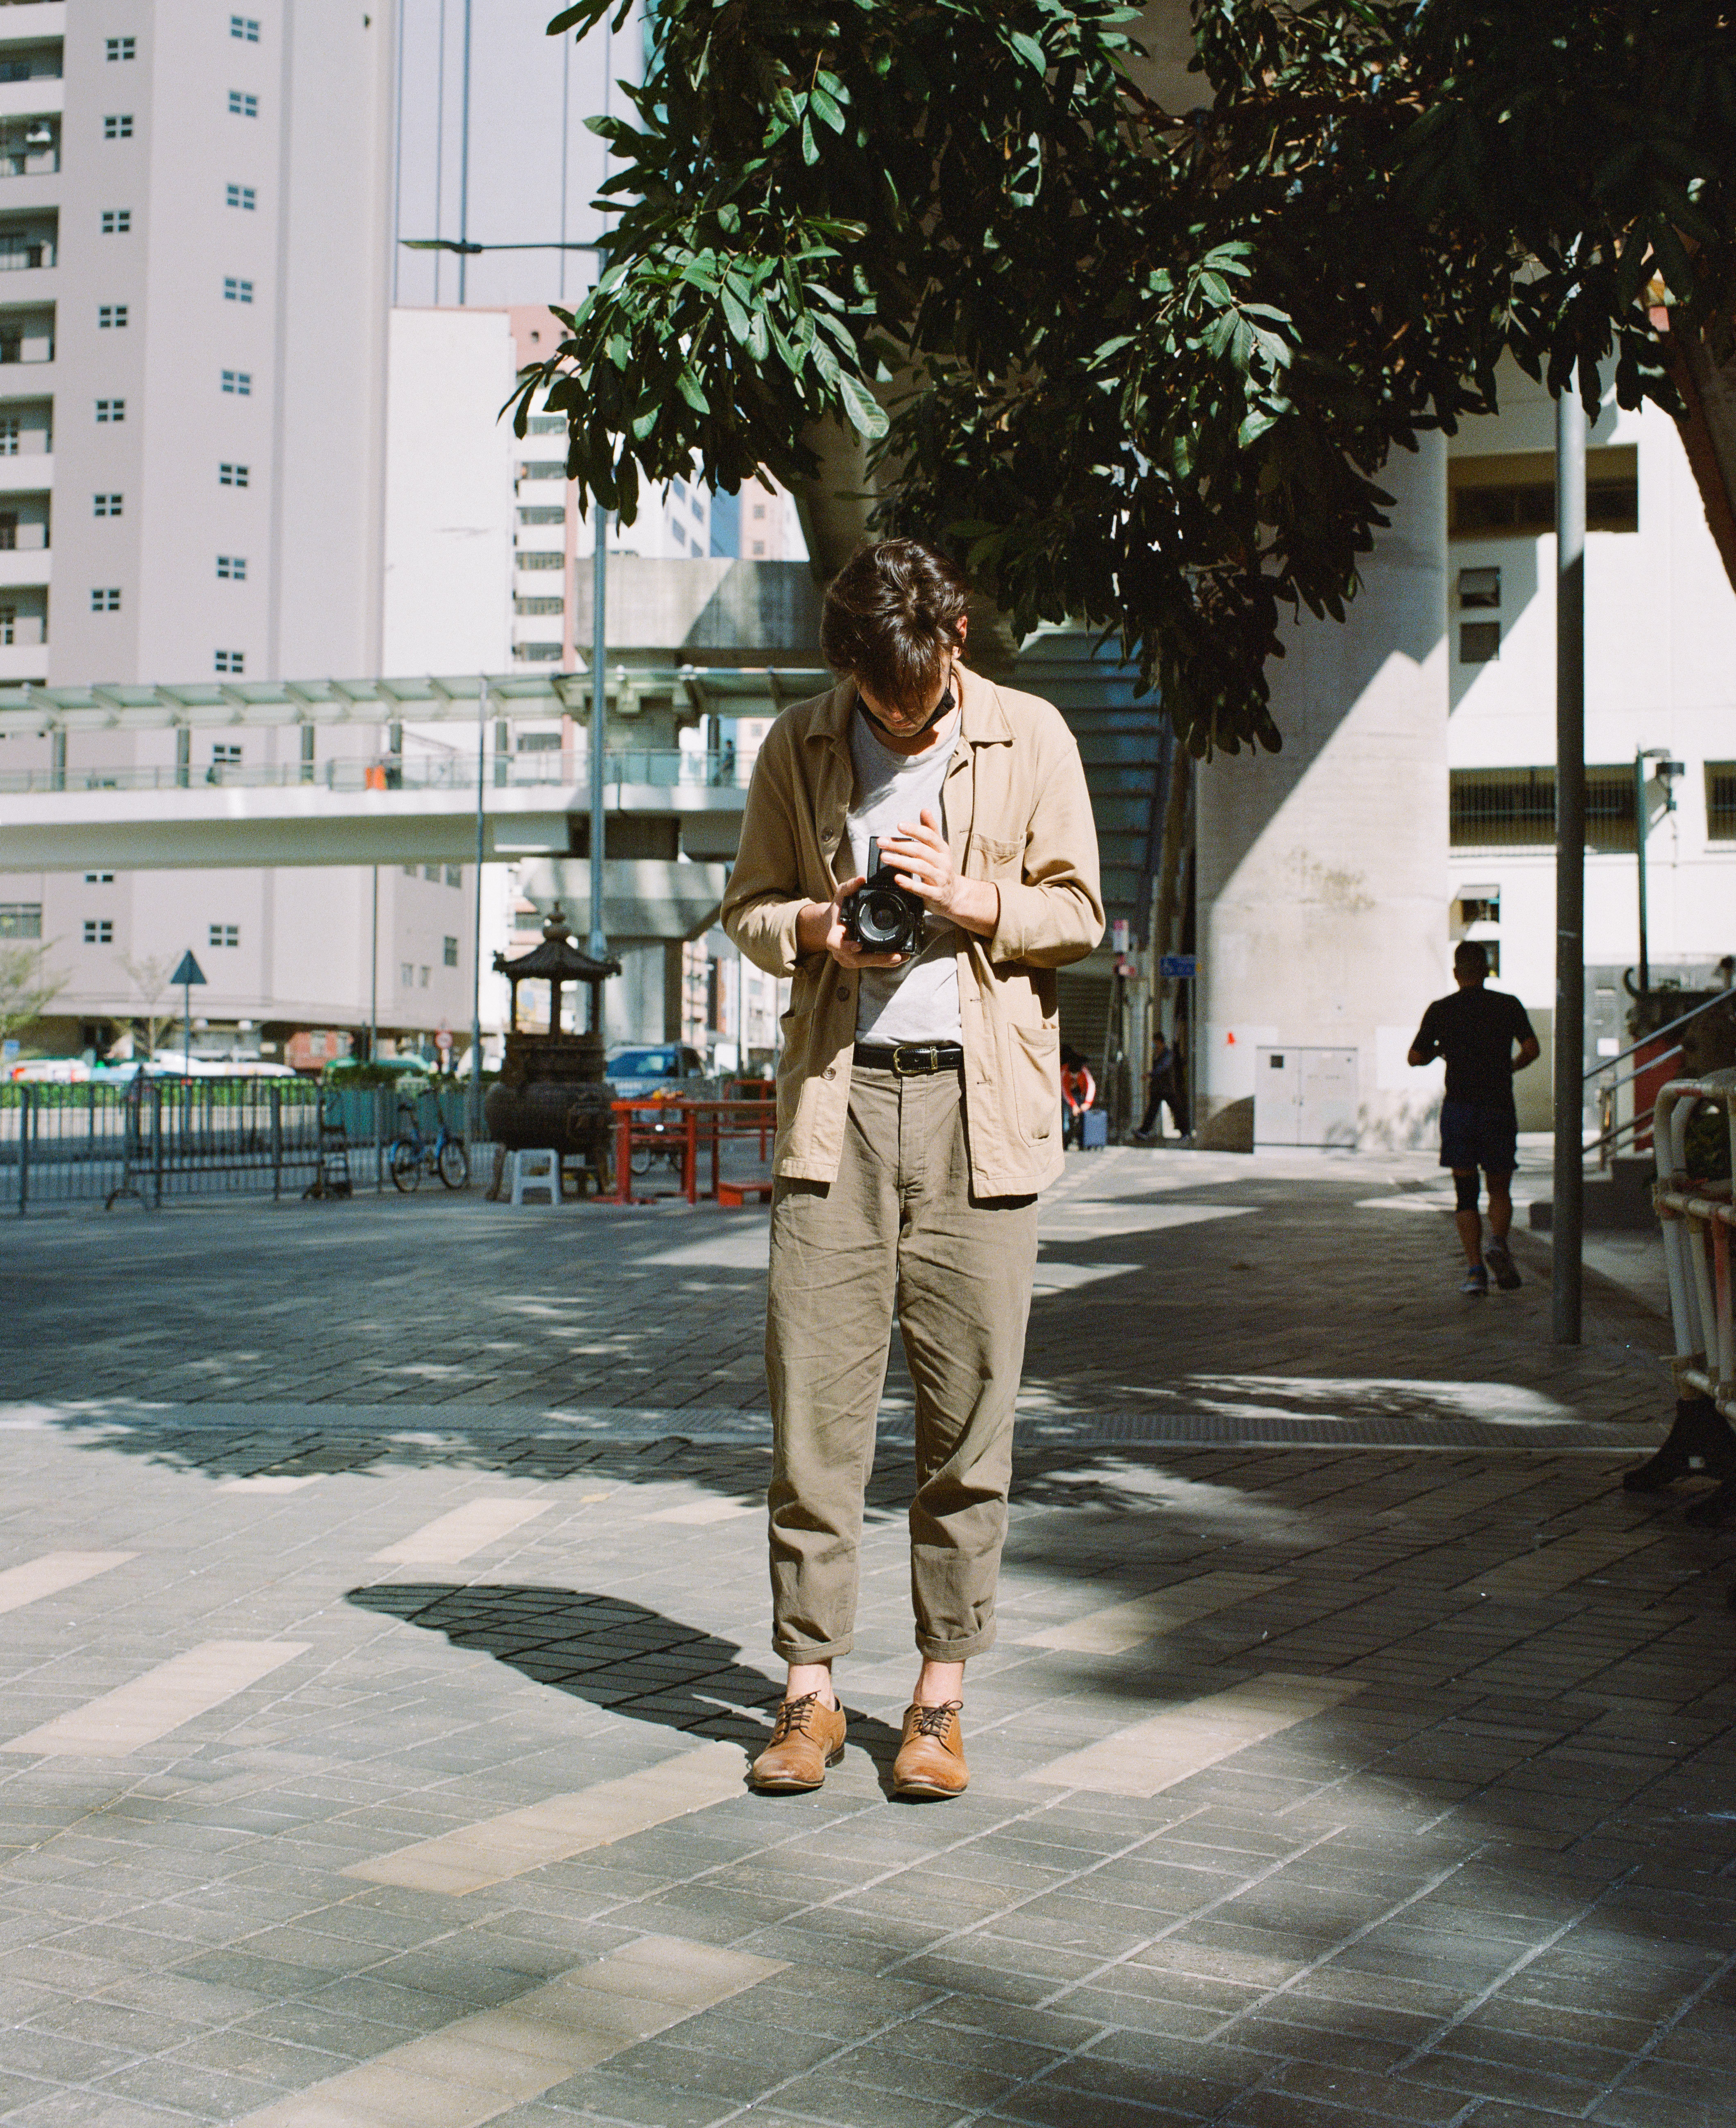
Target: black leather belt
908, 1060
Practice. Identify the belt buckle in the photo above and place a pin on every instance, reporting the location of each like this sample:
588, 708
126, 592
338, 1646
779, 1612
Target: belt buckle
901, 1049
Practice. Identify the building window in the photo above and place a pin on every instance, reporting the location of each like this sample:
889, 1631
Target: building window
99, 879
117, 220
759, 546
424, 974
548, 424
232, 568
539, 605
449, 948
1479, 587
409, 870
241, 196
544, 469
542, 513
8, 623
431, 872
406, 975
8, 435
111, 410
107, 600
118, 126
239, 382
225, 934
8, 530
21, 253
237, 291
1721, 801
105, 505
537, 654
454, 875
759, 510
1479, 642
242, 105
110, 315
120, 48
99, 931
244, 27
1514, 807
541, 558
21, 919
231, 661
231, 476
1512, 495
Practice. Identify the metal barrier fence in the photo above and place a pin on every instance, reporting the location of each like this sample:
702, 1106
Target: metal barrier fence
1699, 1218
156, 1140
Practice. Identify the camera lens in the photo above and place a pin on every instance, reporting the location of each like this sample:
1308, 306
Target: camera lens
879, 917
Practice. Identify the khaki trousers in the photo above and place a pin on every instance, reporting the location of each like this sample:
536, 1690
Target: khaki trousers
900, 1228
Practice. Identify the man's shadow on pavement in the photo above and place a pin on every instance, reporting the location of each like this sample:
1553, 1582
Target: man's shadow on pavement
615, 1654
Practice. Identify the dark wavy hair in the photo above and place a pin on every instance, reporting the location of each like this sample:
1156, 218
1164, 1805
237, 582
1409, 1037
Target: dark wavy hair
891, 621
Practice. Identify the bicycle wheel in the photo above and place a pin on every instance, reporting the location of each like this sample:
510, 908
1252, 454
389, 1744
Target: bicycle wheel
405, 1161
454, 1164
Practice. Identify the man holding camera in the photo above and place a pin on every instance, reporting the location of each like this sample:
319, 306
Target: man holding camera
918, 1102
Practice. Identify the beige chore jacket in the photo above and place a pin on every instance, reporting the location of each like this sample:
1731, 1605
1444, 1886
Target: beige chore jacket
1017, 813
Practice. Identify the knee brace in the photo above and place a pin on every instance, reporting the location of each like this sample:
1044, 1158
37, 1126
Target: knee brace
1466, 1187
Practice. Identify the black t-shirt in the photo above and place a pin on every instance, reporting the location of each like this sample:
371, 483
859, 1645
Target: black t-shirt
1475, 1031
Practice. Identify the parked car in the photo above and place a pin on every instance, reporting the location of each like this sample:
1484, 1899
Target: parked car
637, 1071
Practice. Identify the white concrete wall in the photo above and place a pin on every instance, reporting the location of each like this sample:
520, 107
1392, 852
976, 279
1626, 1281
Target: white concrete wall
1322, 868
1660, 671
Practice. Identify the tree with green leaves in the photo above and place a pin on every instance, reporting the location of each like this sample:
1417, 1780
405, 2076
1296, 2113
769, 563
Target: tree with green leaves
1135, 364
27, 987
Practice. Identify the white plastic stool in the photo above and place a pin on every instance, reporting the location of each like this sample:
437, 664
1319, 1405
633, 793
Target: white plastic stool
533, 1171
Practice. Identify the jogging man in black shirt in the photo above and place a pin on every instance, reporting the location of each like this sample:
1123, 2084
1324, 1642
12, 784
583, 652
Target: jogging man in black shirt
1475, 1031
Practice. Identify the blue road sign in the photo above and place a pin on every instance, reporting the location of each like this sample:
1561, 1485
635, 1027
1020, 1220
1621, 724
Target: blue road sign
1176, 967
189, 972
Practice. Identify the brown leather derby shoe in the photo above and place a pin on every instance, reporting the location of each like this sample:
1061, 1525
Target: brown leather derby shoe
806, 1737
931, 1760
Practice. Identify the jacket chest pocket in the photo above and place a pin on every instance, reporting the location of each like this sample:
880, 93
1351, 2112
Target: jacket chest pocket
997, 859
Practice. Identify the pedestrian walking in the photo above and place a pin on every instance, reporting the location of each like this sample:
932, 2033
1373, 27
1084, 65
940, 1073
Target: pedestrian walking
1162, 1089
917, 1092
1475, 1030
1078, 1090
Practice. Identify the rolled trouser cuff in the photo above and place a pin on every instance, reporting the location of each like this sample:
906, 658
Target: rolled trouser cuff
961, 1651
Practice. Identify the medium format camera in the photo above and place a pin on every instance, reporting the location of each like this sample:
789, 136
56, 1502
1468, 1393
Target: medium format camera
881, 916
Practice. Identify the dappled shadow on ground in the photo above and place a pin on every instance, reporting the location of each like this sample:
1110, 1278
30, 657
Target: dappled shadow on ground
612, 1652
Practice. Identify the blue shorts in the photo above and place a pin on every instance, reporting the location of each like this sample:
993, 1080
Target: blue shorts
1471, 1137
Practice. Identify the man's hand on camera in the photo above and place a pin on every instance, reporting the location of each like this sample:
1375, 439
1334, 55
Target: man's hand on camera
926, 868
820, 929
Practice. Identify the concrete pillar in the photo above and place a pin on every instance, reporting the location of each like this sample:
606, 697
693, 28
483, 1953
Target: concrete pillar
1323, 869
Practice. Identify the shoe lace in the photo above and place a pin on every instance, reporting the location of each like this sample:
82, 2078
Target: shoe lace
793, 1717
932, 1720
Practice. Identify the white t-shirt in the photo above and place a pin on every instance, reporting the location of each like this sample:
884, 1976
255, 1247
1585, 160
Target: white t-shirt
918, 1000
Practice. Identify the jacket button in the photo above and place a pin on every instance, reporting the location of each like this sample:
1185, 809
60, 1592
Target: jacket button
843, 992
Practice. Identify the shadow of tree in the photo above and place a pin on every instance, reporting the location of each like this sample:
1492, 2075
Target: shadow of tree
612, 1652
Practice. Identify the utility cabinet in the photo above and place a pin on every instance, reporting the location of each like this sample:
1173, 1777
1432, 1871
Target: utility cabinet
1304, 1097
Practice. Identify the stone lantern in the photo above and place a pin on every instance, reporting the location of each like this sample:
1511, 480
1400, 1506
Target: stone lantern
551, 1090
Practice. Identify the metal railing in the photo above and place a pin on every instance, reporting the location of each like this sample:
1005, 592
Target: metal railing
664, 768
159, 1140
1698, 1217
1634, 1132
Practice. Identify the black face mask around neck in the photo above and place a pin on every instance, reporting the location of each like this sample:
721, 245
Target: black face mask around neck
943, 708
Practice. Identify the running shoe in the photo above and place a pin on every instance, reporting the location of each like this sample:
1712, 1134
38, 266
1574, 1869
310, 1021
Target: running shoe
1477, 1281
1499, 1258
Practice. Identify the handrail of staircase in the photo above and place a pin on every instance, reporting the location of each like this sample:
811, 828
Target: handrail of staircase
1609, 1063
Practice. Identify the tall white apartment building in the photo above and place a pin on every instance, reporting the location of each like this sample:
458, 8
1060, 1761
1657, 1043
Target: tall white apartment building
196, 252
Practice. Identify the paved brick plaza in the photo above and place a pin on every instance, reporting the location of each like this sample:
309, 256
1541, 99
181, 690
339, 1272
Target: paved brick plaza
386, 1620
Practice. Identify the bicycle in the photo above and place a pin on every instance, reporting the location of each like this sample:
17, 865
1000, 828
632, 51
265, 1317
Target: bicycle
410, 1155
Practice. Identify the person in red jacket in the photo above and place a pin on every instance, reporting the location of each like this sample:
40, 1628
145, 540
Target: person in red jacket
1079, 1089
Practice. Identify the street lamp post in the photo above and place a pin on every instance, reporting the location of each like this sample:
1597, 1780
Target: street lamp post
597, 944
1667, 770
1567, 1233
